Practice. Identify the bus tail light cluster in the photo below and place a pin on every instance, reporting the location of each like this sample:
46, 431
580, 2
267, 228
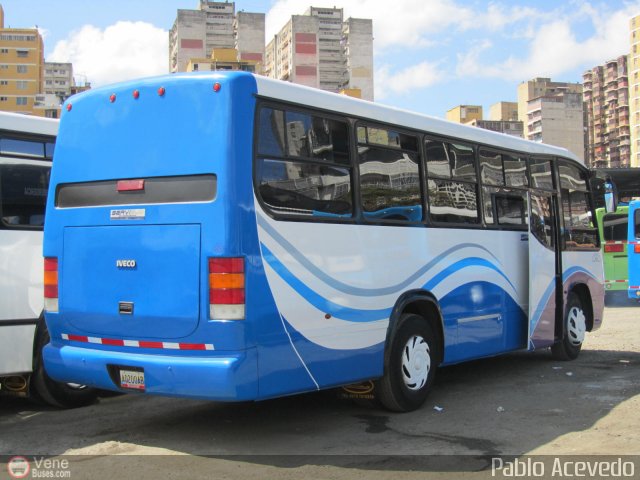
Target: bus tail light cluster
613, 248
226, 288
636, 248
51, 284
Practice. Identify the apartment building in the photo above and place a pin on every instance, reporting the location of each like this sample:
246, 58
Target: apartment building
606, 109
464, 113
215, 25
541, 87
21, 67
557, 120
634, 91
322, 50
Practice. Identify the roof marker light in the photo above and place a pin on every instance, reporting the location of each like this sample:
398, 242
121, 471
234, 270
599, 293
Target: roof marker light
112, 98
136, 94
216, 87
69, 107
161, 91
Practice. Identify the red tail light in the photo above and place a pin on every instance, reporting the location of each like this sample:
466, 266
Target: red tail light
613, 248
636, 248
226, 289
51, 284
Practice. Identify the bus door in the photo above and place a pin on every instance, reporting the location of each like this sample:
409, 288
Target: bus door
544, 268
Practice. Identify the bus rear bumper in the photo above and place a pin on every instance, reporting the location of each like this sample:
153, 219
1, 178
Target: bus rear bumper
223, 377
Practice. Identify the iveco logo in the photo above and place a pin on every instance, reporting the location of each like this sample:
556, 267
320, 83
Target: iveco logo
125, 263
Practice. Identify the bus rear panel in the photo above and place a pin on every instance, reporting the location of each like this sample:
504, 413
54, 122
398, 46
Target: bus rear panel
634, 249
151, 241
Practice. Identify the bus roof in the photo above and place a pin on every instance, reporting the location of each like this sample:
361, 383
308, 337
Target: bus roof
17, 122
314, 97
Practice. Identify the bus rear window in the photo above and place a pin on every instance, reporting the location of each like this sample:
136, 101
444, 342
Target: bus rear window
23, 195
183, 189
614, 227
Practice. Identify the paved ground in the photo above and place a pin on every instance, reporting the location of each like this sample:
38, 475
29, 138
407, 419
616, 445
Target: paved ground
511, 405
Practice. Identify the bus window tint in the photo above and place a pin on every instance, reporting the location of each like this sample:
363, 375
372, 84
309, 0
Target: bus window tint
541, 174
614, 227
304, 188
437, 158
515, 171
23, 190
453, 202
25, 148
271, 132
389, 184
317, 137
504, 206
571, 177
491, 168
462, 162
636, 221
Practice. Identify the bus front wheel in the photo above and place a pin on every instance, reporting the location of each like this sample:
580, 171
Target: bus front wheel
575, 326
411, 366
44, 388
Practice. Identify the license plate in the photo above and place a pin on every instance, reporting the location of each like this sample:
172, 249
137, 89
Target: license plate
132, 379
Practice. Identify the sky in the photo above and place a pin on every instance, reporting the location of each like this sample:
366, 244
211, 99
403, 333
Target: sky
429, 55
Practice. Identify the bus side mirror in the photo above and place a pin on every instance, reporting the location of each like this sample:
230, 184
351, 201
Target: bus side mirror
610, 200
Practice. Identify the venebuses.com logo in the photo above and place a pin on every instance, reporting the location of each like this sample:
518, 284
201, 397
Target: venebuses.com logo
39, 467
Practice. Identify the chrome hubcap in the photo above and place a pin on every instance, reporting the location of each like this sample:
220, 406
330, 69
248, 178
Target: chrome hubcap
576, 326
416, 362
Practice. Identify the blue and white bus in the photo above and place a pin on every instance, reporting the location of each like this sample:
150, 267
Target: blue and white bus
633, 249
232, 237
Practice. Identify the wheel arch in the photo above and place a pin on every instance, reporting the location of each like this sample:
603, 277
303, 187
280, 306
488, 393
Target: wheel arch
422, 303
584, 294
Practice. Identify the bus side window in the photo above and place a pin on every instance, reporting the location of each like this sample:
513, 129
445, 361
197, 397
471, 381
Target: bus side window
389, 176
636, 221
303, 165
451, 182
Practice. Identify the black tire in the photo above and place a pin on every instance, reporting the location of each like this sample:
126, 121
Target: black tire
49, 391
574, 328
414, 345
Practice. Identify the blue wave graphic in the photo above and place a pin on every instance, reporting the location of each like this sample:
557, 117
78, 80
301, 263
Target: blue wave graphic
354, 314
371, 292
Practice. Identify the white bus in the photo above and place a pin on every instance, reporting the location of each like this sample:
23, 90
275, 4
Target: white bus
26, 152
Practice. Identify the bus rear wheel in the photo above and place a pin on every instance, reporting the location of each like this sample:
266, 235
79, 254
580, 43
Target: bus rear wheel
575, 326
47, 390
411, 367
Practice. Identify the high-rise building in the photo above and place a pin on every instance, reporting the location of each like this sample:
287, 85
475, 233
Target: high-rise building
215, 25
222, 59
541, 87
319, 49
505, 111
557, 120
606, 109
634, 90
464, 113
21, 67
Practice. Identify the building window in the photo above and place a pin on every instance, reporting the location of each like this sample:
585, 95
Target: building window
22, 53
22, 69
4, 50
21, 100
21, 85
4, 82
3, 99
